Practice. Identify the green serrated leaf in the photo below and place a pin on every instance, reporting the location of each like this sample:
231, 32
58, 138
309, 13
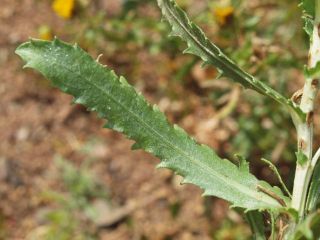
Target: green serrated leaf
308, 10
101, 90
308, 25
199, 44
308, 7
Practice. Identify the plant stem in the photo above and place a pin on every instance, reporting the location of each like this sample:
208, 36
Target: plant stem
304, 171
305, 129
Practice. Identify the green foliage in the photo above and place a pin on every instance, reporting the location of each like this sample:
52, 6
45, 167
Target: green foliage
231, 230
308, 229
101, 90
132, 4
79, 182
63, 226
63, 222
251, 48
199, 44
125, 31
255, 220
308, 9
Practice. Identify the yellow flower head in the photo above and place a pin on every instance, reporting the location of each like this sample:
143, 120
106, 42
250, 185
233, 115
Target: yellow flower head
223, 13
45, 32
63, 8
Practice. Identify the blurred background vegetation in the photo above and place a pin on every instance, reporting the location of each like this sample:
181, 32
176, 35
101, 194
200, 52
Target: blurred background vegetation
77, 181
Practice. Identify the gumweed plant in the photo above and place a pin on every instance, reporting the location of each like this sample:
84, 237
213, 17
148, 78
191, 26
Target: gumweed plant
293, 215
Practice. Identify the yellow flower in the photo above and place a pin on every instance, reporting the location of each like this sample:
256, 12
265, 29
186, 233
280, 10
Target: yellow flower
63, 8
222, 14
45, 32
